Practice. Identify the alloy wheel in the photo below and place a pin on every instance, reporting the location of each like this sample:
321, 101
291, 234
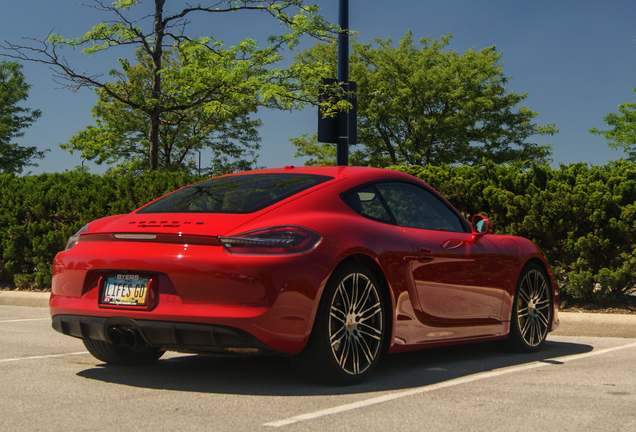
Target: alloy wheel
356, 324
533, 308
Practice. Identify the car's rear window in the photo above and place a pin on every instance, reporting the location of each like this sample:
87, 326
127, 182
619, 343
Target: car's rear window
235, 194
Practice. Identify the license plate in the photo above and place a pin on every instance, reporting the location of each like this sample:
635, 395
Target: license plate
125, 290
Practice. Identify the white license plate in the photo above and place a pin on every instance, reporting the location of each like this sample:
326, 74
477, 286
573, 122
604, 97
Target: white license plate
125, 290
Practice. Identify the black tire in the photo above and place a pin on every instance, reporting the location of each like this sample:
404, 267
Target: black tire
349, 331
531, 317
118, 355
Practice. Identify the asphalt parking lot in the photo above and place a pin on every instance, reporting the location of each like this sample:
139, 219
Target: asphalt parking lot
583, 379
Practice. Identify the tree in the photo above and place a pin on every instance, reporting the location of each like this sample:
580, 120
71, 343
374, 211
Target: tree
427, 105
209, 73
13, 119
623, 129
119, 136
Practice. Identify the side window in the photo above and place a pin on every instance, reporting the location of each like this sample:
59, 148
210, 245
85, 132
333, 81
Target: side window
367, 203
416, 207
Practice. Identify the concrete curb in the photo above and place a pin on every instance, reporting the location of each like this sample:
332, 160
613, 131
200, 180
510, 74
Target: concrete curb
596, 325
24, 298
578, 317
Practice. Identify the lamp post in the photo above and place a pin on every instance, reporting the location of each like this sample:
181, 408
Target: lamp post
342, 146
340, 129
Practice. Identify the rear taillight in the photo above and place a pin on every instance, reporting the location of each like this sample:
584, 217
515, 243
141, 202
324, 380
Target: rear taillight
283, 240
72, 240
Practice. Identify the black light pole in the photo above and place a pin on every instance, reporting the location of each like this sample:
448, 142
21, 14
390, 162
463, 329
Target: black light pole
342, 149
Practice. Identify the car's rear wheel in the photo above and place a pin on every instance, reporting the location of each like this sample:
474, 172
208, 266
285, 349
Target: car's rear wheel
349, 331
120, 355
531, 318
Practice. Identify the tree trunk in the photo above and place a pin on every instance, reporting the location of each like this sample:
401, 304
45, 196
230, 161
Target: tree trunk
155, 114
387, 142
153, 139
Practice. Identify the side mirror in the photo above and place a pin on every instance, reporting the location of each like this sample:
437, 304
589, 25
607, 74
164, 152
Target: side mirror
480, 226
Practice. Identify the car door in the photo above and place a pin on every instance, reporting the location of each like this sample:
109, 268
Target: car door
456, 278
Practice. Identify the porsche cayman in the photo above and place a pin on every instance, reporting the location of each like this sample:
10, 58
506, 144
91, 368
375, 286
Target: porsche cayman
331, 266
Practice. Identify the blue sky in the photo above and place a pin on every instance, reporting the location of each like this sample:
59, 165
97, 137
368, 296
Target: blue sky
576, 59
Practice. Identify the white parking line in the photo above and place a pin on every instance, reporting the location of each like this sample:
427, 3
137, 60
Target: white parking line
29, 319
41, 357
439, 386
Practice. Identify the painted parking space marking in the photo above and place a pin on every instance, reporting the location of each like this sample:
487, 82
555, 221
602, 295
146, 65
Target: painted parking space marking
41, 357
26, 319
442, 385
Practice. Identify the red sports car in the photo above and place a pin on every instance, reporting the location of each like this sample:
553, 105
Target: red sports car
332, 266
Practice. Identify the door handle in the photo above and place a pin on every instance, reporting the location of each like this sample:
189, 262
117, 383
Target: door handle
452, 244
424, 254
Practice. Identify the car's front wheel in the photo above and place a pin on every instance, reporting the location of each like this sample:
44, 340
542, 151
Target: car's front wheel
531, 317
349, 331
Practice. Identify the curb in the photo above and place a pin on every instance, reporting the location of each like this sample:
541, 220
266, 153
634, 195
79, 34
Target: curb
579, 317
596, 325
24, 298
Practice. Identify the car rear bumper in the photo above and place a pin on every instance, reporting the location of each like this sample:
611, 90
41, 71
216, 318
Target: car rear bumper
271, 298
167, 335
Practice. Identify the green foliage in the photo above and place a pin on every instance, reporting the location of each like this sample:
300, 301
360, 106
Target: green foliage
39, 213
178, 79
429, 106
13, 119
623, 129
583, 218
120, 134
319, 154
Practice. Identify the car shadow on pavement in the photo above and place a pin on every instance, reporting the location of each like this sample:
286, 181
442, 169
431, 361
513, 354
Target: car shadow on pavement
273, 376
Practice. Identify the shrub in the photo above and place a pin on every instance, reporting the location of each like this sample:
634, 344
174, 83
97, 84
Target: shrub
39, 213
583, 218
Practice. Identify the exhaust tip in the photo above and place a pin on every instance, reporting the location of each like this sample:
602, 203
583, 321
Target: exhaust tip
125, 337
129, 338
114, 335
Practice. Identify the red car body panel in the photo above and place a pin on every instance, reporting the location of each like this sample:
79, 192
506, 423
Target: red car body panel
443, 286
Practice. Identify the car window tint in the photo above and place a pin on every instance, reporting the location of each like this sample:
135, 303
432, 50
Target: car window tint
413, 206
234, 194
367, 203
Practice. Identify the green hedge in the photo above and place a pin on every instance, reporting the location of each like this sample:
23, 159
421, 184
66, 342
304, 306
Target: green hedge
584, 218
39, 213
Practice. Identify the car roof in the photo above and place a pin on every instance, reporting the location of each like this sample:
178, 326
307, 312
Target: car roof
352, 176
